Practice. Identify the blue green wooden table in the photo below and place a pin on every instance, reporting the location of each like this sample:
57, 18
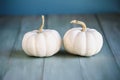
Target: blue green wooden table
16, 65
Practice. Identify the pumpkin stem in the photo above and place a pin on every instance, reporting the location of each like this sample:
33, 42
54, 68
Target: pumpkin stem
81, 23
42, 25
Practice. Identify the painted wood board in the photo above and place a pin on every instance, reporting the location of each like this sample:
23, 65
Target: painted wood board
99, 67
9, 28
64, 66
61, 66
110, 24
21, 66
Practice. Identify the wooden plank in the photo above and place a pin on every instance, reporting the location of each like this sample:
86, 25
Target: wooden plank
9, 28
23, 67
64, 66
61, 66
111, 27
99, 67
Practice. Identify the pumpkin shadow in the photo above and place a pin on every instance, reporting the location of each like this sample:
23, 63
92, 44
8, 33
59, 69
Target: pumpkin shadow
61, 54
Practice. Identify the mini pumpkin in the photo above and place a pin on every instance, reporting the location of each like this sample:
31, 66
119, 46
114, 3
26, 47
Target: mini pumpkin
41, 42
82, 41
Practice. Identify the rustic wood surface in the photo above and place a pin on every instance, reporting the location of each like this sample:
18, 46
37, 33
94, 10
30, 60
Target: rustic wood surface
16, 65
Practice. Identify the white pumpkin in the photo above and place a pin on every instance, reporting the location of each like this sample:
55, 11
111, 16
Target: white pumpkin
41, 43
82, 41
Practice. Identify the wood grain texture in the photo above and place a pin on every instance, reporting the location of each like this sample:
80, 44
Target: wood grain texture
64, 66
61, 66
110, 24
21, 66
9, 28
99, 67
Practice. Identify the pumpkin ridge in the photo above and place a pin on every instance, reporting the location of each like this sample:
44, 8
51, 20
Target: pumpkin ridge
25, 38
34, 50
29, 43
46, 40
26, 48
24, 43
45, 34
64, 38
38, 37
35, 45
86, 43
72, 42
45, 44
93, 52
100, 43
56, 39
96, 42
73, 47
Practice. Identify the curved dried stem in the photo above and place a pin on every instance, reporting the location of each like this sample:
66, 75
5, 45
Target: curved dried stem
83, 25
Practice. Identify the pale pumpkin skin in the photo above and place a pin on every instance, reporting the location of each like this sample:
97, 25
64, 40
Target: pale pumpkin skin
84, 43
41, 44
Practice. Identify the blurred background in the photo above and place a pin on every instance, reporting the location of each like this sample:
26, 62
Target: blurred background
35, 7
